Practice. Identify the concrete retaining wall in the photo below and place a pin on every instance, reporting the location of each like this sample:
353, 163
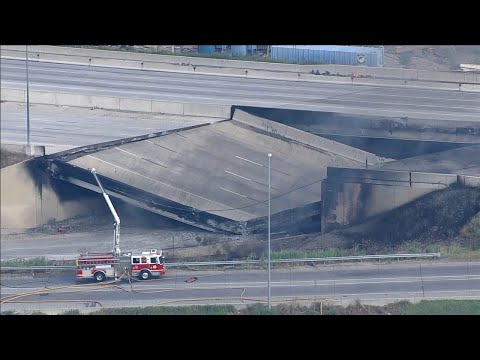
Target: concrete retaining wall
351, 196
232, 67
113, 103
28, 201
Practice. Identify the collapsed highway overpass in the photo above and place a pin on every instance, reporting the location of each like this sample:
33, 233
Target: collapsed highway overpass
215, 176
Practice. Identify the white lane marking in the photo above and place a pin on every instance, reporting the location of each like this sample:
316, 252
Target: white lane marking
168, 185
352, 281
278, 104
128, 152
233, 192
141, 128
250, 161
222, 91
240, 176
292, 86
202, 82
163, 95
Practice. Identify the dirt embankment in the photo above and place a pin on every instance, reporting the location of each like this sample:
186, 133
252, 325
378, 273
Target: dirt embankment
436, 218
431, 57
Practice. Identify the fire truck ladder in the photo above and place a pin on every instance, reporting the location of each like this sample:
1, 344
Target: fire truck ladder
116, 224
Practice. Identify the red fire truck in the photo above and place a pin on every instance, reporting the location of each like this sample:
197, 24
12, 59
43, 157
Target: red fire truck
100, 266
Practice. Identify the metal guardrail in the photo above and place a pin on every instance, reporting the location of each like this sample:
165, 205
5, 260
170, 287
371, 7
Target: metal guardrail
324, 259
242, 262
39, 267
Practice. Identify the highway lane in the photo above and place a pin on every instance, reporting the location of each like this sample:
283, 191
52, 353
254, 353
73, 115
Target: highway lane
60, 128
416, 279
351, 98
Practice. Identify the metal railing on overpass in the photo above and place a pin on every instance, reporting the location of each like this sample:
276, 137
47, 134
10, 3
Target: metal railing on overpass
244, 262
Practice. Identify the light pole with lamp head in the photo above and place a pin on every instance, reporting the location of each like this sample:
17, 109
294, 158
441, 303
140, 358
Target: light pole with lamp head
269, 209
28, 100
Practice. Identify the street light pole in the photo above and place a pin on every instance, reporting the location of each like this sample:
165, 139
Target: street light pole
269, 210
28, 100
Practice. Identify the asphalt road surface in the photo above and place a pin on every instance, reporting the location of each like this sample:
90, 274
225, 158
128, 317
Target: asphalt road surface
169, 86
417, 279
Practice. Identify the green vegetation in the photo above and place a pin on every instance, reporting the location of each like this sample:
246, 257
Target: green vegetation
299, 254
455, 250
171, 310
444, 307
72, 312
8, 312
471, 231
40, 261
405, 59
424, 307
452, 58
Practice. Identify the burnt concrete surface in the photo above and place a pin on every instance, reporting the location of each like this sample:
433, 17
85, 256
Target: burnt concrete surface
215, 176
461, 161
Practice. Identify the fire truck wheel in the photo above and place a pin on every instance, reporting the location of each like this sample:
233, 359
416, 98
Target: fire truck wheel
144, 275
99, 276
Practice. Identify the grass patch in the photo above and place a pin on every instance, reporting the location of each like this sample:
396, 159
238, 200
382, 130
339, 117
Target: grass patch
444, 307
301, 254
171, 310
9, 312
40, 261
471, 231
71, 312
424, 307
454, 251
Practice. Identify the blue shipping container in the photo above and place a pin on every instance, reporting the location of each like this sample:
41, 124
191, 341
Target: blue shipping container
329, 54
239, 50
206, 49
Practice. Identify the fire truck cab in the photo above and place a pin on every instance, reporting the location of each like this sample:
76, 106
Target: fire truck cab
147, 264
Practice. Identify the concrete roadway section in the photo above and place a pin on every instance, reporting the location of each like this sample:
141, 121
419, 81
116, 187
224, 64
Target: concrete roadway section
358, 99
380, 282
61, 128
217, 172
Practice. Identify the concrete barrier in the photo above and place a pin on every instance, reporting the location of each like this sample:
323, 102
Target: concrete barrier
420, 179
42, 98
473, 181
207, 110
223, 66
13, 95
135, 105
165, 107
122, 104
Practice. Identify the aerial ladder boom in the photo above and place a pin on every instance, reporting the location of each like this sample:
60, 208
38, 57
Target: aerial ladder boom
116, 224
